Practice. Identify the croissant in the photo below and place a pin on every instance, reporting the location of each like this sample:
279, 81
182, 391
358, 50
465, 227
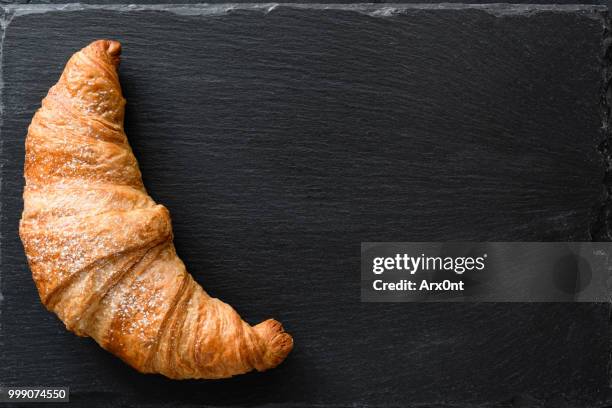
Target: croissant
101, 250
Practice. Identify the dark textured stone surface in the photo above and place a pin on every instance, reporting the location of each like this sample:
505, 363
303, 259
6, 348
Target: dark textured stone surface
281, 141
604, 2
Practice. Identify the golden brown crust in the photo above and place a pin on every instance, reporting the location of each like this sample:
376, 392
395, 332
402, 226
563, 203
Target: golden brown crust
100, 249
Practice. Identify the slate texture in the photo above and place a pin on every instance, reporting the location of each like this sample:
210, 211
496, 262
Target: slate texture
146, 2
281, 140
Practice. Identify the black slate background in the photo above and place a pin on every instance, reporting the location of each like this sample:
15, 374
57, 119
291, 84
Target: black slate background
280, 141
148, 2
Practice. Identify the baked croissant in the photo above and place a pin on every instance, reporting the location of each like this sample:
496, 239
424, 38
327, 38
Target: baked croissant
101, 250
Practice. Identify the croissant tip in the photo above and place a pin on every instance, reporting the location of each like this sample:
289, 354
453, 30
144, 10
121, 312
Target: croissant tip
111, 48
279, 343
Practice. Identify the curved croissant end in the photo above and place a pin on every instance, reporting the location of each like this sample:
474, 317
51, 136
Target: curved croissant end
101, 251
